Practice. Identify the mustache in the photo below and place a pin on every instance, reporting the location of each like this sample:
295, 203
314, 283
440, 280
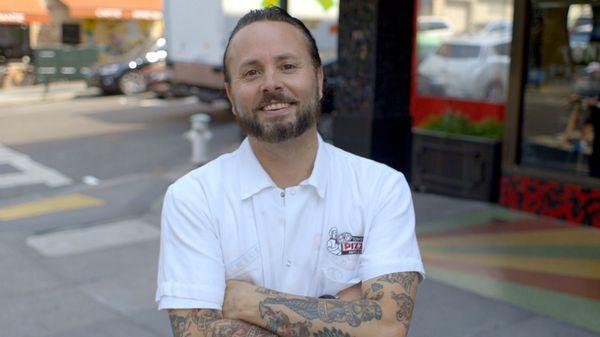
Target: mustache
269, 97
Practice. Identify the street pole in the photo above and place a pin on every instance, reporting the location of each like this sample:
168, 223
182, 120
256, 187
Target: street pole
283, 5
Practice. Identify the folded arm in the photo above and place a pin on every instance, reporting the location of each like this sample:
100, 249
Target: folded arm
210, 323
385, 309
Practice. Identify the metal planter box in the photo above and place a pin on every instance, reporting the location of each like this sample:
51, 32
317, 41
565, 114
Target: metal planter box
461, 166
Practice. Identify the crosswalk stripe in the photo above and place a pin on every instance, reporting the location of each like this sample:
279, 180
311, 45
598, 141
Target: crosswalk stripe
49, 205
77, 241
31, 172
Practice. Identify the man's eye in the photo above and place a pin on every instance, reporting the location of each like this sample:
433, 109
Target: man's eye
251, 73
288, 66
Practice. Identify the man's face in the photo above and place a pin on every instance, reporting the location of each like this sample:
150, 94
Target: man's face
274, 88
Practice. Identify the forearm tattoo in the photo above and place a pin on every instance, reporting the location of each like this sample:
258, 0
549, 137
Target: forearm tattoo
331, 333
179, 325
405, 308
328, 311
210, 323
196, 320
375, 293
405, 279
231, 328
280, 324
268, 292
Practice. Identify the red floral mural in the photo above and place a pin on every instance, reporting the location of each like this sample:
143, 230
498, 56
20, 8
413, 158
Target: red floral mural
563, 201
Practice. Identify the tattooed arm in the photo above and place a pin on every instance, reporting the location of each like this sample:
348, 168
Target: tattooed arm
210, 323
385, 309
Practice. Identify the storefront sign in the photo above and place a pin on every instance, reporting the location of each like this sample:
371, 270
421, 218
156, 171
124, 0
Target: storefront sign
141, 14
109, 13
12, 17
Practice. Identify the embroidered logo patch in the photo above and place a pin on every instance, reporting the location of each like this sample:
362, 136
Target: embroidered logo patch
344, 243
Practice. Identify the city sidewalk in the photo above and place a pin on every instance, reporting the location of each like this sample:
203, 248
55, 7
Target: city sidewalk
56, 91
84, 263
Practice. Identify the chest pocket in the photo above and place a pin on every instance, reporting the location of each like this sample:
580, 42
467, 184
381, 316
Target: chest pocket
340, 265
245, 267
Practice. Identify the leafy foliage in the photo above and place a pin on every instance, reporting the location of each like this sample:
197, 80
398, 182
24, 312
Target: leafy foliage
327, 4
458, 124
270, 3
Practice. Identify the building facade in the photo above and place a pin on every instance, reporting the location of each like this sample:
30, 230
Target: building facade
112, 27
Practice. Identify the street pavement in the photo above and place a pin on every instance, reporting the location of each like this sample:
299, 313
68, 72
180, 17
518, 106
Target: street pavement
40, 93
81, 259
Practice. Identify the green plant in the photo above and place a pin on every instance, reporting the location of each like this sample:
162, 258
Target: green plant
458, 124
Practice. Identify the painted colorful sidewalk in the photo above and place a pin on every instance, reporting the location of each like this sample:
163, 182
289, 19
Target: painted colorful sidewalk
541, 264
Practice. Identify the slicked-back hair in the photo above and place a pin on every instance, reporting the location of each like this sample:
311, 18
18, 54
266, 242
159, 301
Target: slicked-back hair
278, 15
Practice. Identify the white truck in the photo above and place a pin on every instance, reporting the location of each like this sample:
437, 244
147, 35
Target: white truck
197, 31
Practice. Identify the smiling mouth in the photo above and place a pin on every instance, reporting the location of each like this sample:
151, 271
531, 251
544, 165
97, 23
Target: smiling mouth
276, 106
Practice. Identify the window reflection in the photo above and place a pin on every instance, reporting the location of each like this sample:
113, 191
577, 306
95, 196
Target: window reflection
464, 49
561, 103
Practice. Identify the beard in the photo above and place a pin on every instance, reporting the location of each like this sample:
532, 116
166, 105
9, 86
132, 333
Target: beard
274, 130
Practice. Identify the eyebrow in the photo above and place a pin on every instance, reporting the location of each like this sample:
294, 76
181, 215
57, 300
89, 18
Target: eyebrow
278, 58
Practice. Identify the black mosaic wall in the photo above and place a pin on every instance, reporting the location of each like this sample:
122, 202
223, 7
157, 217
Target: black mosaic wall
372, 115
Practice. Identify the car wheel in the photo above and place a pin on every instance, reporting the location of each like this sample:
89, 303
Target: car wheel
132, 82
494, 92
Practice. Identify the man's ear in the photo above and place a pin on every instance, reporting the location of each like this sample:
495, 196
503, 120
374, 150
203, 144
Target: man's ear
230, 98
320, 77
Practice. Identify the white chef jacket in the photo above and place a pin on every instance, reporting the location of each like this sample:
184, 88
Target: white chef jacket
350, 221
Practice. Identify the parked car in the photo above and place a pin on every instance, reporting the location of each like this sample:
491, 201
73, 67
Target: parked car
434, 26
496, 27
124, 74
432, 30
469, 67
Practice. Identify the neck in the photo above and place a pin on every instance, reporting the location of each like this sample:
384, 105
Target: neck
288, 163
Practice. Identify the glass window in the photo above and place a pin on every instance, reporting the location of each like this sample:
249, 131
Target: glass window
14, 42
458, 50
71, 33
502, 49
561, 109
463, 58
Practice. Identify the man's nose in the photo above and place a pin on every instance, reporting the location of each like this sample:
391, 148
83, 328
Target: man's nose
271, 81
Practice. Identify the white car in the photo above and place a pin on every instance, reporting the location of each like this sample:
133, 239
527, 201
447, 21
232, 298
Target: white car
498, 27
468, 67
434, 26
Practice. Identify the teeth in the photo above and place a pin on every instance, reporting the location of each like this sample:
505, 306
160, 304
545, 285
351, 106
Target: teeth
276, 106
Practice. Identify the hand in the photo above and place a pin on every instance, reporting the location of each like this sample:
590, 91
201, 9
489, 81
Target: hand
235, 292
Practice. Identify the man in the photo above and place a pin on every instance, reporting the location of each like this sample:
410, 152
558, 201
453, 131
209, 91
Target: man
251, 240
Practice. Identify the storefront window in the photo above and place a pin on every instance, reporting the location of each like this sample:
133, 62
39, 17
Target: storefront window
118, 37
71, 33
14, 42
463, 58
561, 108
463, 49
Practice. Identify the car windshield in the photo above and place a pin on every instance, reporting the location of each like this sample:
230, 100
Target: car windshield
425, 26
459, 51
